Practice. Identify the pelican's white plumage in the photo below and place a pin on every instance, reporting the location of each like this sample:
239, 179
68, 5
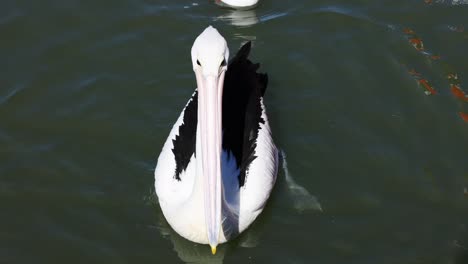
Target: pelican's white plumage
219, 164
239, 4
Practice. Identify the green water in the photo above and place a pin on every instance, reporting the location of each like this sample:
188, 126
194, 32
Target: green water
89, 92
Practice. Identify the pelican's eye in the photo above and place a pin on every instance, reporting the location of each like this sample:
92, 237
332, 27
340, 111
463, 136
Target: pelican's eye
223, 63
198, 62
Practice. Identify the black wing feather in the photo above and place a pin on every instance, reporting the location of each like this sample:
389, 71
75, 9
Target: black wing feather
185, 141
243, 90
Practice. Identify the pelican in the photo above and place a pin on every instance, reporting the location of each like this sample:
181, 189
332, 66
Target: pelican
238, 4
218, 166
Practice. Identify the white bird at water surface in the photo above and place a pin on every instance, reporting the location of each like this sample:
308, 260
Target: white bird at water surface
238, 4
219, 164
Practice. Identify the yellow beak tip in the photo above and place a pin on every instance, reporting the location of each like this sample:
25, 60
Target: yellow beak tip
213, 250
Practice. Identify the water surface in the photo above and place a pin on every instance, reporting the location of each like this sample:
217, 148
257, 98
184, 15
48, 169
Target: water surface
369, 120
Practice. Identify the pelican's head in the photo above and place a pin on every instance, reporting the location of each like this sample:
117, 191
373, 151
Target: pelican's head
210, 52
209, 58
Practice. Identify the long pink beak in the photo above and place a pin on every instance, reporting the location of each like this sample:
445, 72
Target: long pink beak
210, 94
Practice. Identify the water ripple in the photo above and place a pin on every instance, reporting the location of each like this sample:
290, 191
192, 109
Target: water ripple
14, 91
10, 18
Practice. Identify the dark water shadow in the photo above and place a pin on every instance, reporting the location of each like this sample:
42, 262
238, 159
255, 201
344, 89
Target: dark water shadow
188, 251
461, 256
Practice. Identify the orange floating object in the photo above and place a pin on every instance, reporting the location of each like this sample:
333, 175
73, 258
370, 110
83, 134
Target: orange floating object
458, 92
428, 1
417, 43
426, 85
414, 72
436, 57
463, 116
408, 31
